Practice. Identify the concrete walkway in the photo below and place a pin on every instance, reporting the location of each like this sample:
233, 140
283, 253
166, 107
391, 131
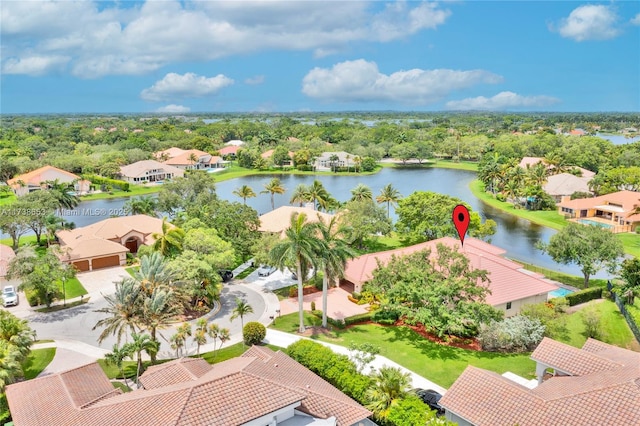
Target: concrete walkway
279, 338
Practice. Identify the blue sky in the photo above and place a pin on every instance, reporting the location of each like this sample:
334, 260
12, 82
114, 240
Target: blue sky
288, 56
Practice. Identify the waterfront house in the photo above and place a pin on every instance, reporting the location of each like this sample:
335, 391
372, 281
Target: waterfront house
36, 180
149, 171
278, 221
324, 162
565, 184
190, 159
617, 211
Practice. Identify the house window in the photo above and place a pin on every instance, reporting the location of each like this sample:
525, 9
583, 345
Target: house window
508, 305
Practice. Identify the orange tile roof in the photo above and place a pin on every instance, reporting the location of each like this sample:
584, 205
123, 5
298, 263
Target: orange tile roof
183, 158
278, 220
35, 177
508, 281
609, 396
231, 149
629, 200
182, 392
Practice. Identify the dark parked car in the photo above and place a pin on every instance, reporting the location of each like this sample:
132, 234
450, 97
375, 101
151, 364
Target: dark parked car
431, 398
226, 275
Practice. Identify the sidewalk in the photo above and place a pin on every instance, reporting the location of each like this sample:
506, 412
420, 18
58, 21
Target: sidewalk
279, 338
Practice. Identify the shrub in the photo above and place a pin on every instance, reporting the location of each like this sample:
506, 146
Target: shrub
386, 315
313, 305
386, 322
559, 304
253, 333
353, 299
514, 334
592, 319
585, 295
553, 320
293, 291
356, 295
355, 319
501, 197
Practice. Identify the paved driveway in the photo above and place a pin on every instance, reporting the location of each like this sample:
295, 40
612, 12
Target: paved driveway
338, 305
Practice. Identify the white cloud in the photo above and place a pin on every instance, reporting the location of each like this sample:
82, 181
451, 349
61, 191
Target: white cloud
174, 108
252, 81
502, 101
590, 22
127, 39
188, 85
636, 19
361, 81
34, 65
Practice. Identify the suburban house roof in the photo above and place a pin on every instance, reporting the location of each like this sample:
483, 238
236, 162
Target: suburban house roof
342, 156
182, 392
278, 220
168, 153
37, 176
603, 389
566, 184
231, 149
139, 168
234, 142
532, 161
97, 239
183, 158
624, 202
508, 280
6, 254
269, 154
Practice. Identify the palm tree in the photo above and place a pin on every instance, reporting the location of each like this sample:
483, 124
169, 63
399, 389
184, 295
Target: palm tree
200, 334
300, 195
333, 256
116, 357
390, 385
361, 193
244, 192
169, 241
300, 245
319, 195
179, 339
333, 160
159, 310
145, 204
242, 308
10, 367
153, 272
123, 309
389, 195
193, 159
273, 187
65, 198
142, 343
217, 333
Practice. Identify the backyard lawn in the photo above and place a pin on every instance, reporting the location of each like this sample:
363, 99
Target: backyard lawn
37, 361
438, 363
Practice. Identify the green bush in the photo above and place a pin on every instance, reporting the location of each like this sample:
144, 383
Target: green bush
501, 197
356, 295
386, 322
385, 315
253, 333
313, 305
106, 182
585, 295
355, 319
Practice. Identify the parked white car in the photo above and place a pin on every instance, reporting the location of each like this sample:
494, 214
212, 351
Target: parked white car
266, 270
9, 296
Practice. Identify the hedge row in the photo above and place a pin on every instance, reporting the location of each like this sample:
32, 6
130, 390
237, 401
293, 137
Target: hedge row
583, 296
101, 180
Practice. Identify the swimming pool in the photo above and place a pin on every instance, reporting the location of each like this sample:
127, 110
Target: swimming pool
594, 223
561, 292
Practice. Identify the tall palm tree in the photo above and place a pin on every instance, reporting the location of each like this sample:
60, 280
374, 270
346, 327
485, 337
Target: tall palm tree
145, 204
333, 160
200, 334
123, 309
390, 385
117, 356
153, 272
361, 193
300, 195
319, 195
389, 195
142, 343
169, 241
273, 187
244, 192
159, 310
300, 245
217, 333
242, 308
333, 256
179, 339
10, 367
193, 159
64, 197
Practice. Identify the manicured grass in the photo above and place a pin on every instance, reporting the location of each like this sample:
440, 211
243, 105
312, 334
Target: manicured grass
37, 361
131, 270
246, 272
121, 386
62, 307
390, 242
24, 240
135, 190
613, 326
438, 363
550, 219
225, 353
443, 164
567, 279
73, 288
7, 199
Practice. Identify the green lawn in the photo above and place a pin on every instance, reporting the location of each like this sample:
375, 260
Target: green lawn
134, 191
438, 363
614, 327
550, 219
36, 362
567, 279
246, 272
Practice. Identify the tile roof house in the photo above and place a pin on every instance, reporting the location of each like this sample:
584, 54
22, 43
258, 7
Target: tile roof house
259, 388
149, 171
532, 161
231, 150
6, 255
190, 159
36, 180
511, 286
616, 211
598, 384
565, 184
106, 243
323, 162
277, 221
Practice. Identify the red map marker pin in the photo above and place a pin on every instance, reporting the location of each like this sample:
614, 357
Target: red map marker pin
461, 221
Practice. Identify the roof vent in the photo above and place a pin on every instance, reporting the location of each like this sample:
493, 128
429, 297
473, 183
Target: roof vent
275, 365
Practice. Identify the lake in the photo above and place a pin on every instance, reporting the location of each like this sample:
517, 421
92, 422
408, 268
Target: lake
516, 236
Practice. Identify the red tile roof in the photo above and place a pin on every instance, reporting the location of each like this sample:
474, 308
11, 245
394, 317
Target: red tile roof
508, 281
182, 392
231, 149
36, 177
629, 200
607, 394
